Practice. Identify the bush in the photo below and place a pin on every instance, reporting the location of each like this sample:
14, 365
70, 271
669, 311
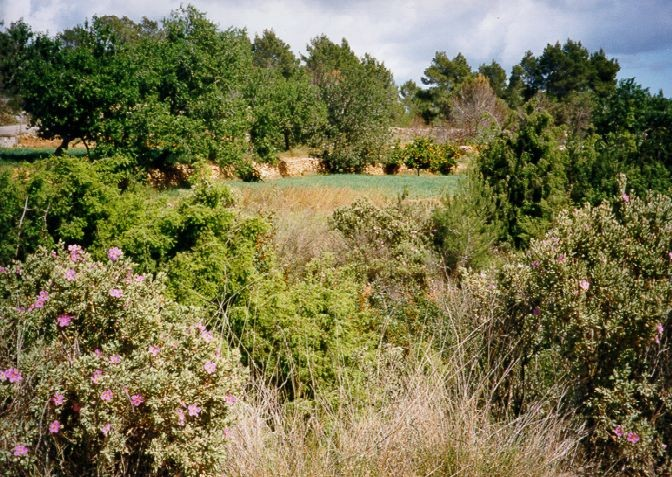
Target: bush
423, 153
589, 310
103, 375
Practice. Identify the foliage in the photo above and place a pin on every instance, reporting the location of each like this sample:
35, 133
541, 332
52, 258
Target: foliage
108, 375
476, 108
527, 174
444, 76
569, 68
464, 227
424, 154
360, 98
306, 336
588, 310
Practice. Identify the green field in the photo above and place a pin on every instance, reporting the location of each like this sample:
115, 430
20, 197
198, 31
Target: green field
417, 187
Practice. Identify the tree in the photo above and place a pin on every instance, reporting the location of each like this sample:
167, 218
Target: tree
496, 76
444, 76
269, 51
475, 106
360, 98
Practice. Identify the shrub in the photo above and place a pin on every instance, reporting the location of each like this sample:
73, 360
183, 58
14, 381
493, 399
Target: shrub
589, 309
423, 153
103, 375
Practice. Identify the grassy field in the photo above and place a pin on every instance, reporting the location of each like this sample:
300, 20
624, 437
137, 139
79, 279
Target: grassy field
417, 187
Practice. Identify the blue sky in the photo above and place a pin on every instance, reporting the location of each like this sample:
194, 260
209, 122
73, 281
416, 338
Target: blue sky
405, 34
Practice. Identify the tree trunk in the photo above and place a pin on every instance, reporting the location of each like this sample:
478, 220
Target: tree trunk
62, 147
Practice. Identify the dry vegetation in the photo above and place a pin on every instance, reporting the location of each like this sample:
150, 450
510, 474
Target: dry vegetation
418, 418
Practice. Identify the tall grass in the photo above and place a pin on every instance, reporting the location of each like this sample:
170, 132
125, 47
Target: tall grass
421, 416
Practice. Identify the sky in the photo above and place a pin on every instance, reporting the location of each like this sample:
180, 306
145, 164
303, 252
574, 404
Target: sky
405, 34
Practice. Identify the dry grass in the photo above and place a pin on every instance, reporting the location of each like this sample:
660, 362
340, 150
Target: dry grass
422, 416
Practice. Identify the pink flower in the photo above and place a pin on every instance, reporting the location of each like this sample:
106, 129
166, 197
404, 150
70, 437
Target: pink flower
139, 278
206, 335
98, 353
58, 399
660, 329
536, 311
70, 275
3, 269
75, 251
95, 377
181, 419
231, 399
669, 254
633, 437
20, 450
561, 258
137, 399
535, 264
584, 284
625, 197
13, 375
76, 407
618, 430
106, 395
200, 326
55, 427
115, 359
114, 254
154, 350
105, 429
42, 298
116, 293
210, 367
64, 320
193, 410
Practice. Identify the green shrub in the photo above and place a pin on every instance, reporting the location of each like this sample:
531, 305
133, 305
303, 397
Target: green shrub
308, 336
589, 311
425, 154
105, 376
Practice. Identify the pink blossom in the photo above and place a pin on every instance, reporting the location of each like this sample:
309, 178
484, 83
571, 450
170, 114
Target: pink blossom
625, 197
105, 429
139, 278
70, 275
114, 254
20, 450
42, 298
76, 407
535, 264
618, 430
633, 437
584, 284
95, 377
194, 410
137, 399
58, 399
98, 353
181, 419
116, 293
154, 350
3, 269
106, 395
669, 254
200, 326
206, 335
210, 367
13, 375
561, 258
115, 359
54, 427
536, 311
75, 251
64, 320
231, 399
660, 329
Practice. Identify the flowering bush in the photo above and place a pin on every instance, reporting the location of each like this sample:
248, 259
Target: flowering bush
589, 310
101, 374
